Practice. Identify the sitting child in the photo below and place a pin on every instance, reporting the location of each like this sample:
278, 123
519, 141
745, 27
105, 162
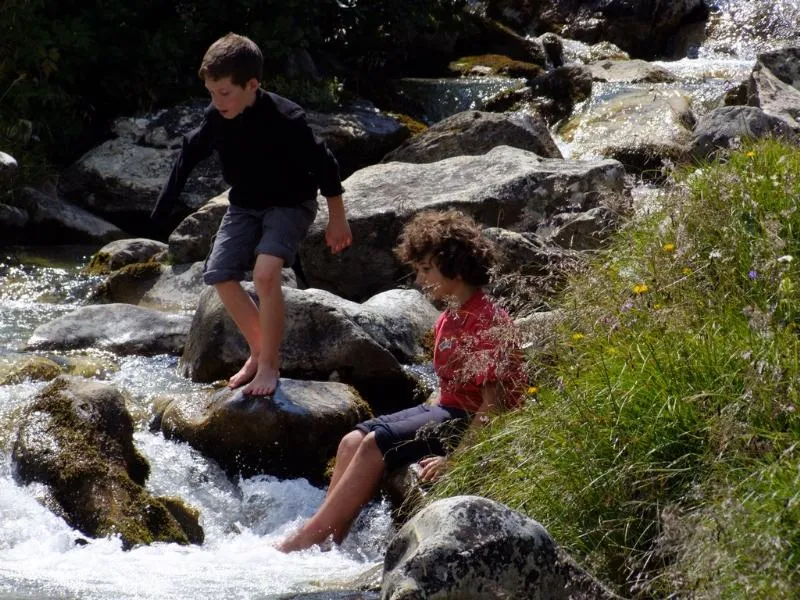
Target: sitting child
476, 359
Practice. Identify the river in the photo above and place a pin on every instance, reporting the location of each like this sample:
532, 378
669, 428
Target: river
41, 557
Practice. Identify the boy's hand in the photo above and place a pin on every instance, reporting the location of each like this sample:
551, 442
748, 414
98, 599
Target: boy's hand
338, 235
433, 467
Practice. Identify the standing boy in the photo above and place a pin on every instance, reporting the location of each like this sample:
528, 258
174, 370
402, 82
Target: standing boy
476, 358
275, 166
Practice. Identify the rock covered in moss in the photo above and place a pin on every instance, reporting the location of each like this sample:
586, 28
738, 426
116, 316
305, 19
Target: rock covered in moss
120, 253
28, 368
471, 548
76, 437
292, 433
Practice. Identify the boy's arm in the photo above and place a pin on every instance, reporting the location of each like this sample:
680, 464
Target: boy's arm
434, 467
195, 148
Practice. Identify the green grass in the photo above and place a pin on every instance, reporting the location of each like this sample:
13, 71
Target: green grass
662, 446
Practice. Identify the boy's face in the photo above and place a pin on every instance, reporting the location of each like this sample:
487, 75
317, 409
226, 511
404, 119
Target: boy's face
431, 281
231, 99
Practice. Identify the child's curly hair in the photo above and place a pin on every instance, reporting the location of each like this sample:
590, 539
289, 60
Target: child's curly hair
453, 240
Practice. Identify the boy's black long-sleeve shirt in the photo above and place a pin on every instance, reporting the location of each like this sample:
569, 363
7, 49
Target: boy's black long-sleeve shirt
269, 156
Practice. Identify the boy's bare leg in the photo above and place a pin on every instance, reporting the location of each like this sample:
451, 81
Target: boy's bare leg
271, 315
342, 505
244, 312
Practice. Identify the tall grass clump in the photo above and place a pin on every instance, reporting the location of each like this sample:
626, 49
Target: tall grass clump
662, 445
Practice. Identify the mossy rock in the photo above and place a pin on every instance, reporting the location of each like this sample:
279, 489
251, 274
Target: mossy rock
129, 283
76, 437
29, 368
413, 126
90, 365
494, 64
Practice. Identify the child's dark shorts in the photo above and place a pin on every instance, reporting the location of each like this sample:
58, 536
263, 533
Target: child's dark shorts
244, 233
403, 438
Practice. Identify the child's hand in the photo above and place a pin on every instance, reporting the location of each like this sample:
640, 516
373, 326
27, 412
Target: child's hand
433, 467
338, 235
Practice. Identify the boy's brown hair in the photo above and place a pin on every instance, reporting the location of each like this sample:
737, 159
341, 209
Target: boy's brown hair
454, 242
234, 56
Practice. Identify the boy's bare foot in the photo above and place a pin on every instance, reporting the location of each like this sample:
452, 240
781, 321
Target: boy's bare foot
264, 383
245, 374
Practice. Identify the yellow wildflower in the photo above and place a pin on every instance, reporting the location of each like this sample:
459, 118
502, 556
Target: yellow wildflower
640, 288
668, 247
577, 336
750, 154
532, 390
687, 271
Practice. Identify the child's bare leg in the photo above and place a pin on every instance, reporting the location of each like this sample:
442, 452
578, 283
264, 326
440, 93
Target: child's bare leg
344, 454
267, 279
355, 488
244, 312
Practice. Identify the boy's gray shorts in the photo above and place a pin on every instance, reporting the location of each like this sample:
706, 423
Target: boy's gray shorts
244, 233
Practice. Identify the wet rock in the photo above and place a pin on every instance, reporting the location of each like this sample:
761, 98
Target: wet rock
28, 368
191, 239
642, 129
719, 128
120, 328
325, 337
475, 132
774, 96
76, 437
575, 51
121, 253
467, 547
404, 490
56, 221
630, 71
506, 187
292, 433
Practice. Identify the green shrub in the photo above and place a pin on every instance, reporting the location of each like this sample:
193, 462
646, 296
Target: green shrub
662, 448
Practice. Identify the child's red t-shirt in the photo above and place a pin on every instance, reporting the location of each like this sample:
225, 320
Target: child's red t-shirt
475, 344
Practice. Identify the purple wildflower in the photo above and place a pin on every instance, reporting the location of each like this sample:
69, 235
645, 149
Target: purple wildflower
753, 275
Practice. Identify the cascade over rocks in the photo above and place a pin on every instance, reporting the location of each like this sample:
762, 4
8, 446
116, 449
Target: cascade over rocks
325, 337
76, 437
292, 433
121, 328
630, 71
644, 28
506, 187
475, 132
642, 129
471, 548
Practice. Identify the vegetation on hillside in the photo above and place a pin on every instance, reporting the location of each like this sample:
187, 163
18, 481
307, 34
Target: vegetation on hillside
661, 447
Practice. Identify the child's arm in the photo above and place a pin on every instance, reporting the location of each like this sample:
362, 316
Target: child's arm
434, 467
195, 148
337, 235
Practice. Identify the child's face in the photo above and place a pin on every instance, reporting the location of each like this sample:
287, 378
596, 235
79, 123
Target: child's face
431, 281
231, 99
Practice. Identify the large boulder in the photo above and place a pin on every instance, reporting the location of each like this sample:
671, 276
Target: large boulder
358, 136
471, 548
475, 132
121, 180
120, 328
325, 337
154, 285
644, 28
121, 253
774, 96
190, 241
506, 187
8, 168
717, 129
76, 437
784, 64
643, 129
292, 433
57, 221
